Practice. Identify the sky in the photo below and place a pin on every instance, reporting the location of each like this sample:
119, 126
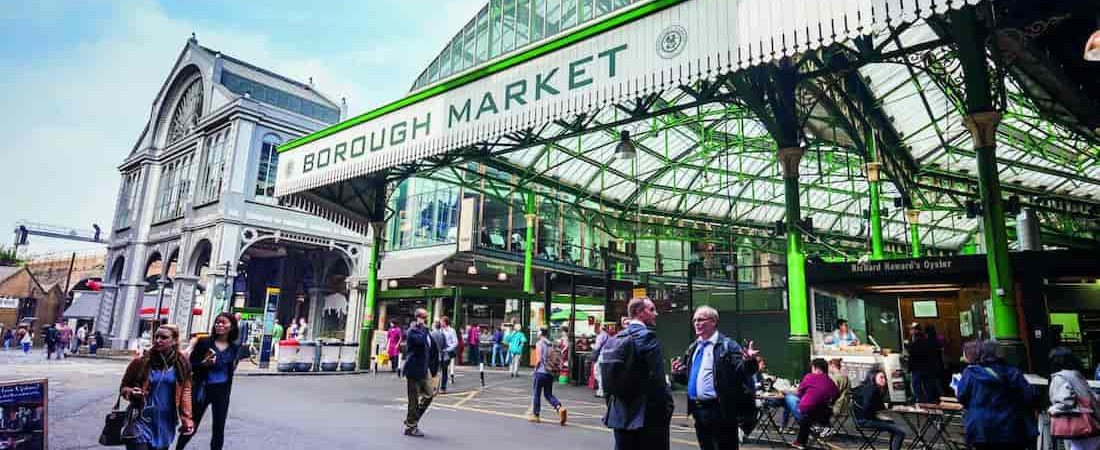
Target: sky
79, 79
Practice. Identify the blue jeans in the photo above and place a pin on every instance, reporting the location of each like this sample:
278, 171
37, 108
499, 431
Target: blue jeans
897, 433
791, 409
543, 385
497, 351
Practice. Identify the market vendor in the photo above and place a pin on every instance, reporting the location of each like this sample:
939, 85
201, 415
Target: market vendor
842, 336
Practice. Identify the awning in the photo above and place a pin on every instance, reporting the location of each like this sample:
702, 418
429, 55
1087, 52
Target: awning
409, 263
85, 305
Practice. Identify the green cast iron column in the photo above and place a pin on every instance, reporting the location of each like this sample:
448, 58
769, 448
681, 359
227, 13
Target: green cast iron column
365, 341
982, 120
799, 341
983, 129
874, 176
529, 244
914, 231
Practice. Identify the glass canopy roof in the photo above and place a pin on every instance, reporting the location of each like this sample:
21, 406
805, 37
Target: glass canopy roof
713, 162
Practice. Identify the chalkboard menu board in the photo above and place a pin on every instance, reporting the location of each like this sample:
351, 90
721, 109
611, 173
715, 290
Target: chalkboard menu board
825, 315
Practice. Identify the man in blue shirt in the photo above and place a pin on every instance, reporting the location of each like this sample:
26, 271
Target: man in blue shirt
718, 373
842, 336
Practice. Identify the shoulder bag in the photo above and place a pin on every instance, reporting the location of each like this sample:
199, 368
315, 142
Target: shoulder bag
1081, 423
118, 425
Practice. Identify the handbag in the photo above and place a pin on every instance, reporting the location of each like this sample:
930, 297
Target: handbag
1079, 424
118, 425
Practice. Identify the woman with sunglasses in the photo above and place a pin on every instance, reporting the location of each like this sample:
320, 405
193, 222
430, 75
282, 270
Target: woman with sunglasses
215, 360
158, 383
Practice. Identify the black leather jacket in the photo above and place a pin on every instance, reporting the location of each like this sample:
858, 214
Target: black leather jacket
733, 378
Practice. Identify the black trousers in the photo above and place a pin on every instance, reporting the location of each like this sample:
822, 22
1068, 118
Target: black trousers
712, 432
817, 416
444, 374
216, 396
653, 436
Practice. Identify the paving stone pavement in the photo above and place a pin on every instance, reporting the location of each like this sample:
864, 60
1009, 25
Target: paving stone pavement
355, 411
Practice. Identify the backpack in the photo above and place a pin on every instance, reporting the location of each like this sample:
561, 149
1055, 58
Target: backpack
552, 362
618, 366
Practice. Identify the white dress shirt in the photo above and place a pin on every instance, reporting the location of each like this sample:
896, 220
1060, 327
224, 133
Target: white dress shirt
704, 380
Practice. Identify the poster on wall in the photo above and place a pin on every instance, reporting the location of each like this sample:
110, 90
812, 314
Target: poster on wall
23, 424
925, 309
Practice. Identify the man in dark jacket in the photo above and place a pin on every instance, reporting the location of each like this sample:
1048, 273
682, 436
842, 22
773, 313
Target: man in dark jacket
643, 422
718, 373
421, 364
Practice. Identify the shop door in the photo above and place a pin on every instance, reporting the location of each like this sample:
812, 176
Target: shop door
946, 323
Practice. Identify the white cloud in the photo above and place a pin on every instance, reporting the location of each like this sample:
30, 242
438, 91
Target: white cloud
72, 116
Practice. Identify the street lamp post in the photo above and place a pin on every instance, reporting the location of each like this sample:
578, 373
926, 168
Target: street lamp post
225, 288
160, 301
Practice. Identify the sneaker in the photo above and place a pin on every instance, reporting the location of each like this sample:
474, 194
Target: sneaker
562, 414
797, 445
414, 432
828, 432
533, 418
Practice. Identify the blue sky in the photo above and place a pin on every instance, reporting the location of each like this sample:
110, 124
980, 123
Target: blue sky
79, 79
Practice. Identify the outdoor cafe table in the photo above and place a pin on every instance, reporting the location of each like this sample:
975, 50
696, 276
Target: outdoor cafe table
923, 418
765, 418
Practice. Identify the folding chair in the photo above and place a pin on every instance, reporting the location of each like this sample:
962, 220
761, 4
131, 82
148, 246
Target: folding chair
867, 435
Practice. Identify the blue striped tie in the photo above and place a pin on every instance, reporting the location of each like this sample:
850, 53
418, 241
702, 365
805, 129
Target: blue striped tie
696, 363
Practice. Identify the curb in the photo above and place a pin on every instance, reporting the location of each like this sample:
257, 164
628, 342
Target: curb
299, 374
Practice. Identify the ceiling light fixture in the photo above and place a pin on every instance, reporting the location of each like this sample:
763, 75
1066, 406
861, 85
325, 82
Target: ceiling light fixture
472, 270
502, 276
625, 149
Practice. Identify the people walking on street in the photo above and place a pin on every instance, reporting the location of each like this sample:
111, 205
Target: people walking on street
601, 337
9, 338
498, 346
450, 351
422, 362
550, 361
923, 366
292, 332
50, 339
276, 336
393, 345
96, 342
473, 343
1069, 393
214, 361
81, 337
303, 328
718, 374
64, 339
517, 343
25, 340
998, 403
566, 348
811, 406
870, 402
640, 403
158, 383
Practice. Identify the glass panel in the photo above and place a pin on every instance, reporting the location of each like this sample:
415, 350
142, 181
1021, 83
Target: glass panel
456, 54
538, 19
495, 28
523, 22
568, 14
483, 35
445, 62
469, 45
647, 256
672, 258
519, 224
549, 245
604, 7
553, 17
586, 10
571, 237
509, 25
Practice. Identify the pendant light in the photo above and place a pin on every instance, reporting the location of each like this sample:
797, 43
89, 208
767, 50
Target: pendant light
625, 149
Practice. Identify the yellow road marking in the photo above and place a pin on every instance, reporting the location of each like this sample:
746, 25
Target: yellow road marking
577, 425
469, 396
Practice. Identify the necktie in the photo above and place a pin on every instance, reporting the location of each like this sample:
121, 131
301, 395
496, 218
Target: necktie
696, 363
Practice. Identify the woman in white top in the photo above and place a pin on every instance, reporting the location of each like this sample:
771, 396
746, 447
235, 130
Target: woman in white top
1067, 389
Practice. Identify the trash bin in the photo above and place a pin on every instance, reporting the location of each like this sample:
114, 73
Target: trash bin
330, 356
349, 353
307, 352
288, 352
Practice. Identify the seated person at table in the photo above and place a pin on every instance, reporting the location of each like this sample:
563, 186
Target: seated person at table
843, 385
870, 402
763, 382
842, 336
813, 402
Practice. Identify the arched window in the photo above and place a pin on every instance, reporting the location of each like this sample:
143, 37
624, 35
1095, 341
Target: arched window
269, 167
185, 117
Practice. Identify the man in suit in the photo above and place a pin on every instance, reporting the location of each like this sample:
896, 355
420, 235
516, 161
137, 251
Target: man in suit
421, 364
642, 423
718, 373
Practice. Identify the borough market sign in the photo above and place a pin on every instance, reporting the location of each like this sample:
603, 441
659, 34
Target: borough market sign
646, 48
